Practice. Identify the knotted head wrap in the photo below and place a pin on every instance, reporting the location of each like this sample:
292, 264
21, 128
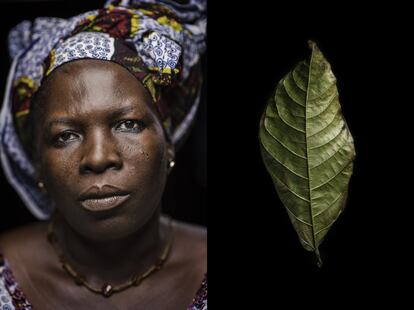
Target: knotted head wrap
159, 42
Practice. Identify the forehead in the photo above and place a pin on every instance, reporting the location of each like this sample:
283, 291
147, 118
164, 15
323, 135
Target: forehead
94, 85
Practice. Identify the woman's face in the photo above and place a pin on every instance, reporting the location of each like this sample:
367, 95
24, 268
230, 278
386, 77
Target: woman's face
101, 150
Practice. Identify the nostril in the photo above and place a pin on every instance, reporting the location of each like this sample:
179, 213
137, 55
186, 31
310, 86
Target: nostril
99, 162
108, 163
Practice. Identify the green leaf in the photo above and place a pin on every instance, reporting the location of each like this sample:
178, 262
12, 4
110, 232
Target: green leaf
308, 149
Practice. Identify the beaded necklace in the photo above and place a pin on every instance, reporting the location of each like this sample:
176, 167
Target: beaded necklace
108, 289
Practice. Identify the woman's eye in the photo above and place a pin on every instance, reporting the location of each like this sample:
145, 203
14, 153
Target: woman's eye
129, 126
65, 137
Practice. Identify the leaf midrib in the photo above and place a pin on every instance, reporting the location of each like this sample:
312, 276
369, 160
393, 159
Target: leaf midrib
307, 150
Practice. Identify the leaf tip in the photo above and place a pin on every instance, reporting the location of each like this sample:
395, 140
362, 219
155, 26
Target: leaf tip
311, 44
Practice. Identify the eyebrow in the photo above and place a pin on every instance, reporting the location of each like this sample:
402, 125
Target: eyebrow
74, 122
122, 111
62, 121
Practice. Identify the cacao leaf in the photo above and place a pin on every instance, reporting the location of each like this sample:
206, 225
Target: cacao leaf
308, 149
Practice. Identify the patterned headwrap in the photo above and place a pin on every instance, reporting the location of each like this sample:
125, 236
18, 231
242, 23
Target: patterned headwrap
159, 42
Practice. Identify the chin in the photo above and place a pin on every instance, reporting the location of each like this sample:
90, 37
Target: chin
112, 228
106, 227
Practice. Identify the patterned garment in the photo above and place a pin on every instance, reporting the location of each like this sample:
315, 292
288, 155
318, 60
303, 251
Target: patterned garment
200, 300
12, 298
159, 42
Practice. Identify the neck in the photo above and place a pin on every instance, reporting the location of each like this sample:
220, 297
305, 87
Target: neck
113, 261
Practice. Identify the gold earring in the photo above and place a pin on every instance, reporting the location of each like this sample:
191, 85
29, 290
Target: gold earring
42, 187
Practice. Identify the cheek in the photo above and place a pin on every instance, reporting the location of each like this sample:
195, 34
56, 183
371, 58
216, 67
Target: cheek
145, 155
58, 169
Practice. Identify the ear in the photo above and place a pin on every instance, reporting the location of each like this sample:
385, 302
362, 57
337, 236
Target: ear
39, 178
39, 175
170, 156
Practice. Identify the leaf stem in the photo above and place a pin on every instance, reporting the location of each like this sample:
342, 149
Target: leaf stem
319, 262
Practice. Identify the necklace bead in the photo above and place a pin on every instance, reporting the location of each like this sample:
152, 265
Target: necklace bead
107, 290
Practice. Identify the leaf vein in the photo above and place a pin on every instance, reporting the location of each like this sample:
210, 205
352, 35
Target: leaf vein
333, 155
297, 218
283, 165
326, 108
290, 96
333, 177
327, 207
321, 145
288, 188
329, 124
297, 129
298, 155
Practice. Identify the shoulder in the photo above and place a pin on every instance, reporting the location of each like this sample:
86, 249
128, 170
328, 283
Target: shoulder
17, 242
25, 256
191, 232
190, 238
31, 231
188, 262
189, 249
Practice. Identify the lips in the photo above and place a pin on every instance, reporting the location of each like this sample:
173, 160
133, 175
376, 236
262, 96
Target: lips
103, 198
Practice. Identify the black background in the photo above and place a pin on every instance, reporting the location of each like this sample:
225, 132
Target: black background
367, 253
254, 253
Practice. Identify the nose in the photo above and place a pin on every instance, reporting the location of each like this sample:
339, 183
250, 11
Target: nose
100, 153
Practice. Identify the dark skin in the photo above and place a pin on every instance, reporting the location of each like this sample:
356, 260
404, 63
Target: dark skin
99, 127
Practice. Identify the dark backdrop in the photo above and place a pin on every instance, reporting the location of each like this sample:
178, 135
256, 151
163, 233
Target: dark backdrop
367, 253
186, 192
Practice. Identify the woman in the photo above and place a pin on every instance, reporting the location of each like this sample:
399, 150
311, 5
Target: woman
95, 107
